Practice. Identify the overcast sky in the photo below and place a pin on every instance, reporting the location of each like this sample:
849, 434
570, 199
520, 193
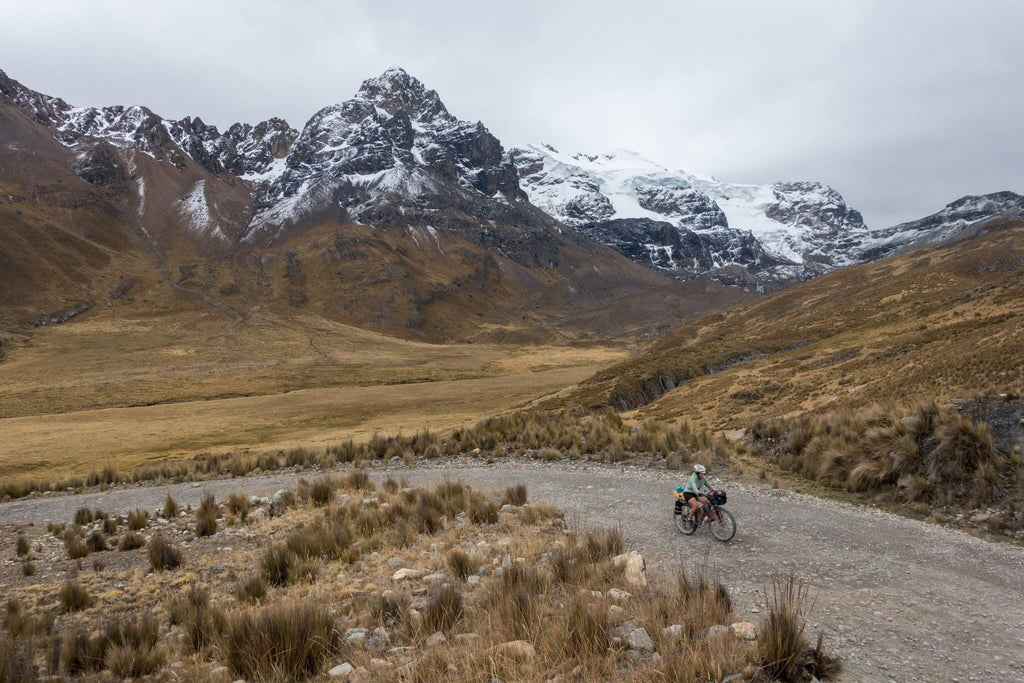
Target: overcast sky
901, 106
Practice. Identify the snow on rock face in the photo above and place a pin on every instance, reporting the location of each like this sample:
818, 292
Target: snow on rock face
393, 142
195, 212
806, 227
943, 225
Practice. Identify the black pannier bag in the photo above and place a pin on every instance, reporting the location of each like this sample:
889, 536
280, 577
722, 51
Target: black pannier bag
718, 498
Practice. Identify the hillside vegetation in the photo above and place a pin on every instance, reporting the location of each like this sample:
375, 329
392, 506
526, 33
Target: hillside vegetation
933, 324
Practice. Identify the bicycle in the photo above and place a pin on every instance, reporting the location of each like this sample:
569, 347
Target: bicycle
721, 524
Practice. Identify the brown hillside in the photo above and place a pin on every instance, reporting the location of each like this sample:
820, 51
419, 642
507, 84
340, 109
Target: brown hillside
931, 324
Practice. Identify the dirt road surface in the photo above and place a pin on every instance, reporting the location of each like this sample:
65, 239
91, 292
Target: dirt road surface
897, 598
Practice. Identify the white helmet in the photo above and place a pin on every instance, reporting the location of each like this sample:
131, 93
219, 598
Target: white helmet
698, 468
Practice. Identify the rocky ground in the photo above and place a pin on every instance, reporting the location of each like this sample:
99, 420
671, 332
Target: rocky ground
898, 599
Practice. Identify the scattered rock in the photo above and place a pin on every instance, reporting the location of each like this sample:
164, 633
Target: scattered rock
673, 631
257, 515
341, 671
635, 567
396, 562
744, 630
355, 636
713, 632
619, 595
516, 649
616, 615
403, 574
436, 638
640, 640
378, 640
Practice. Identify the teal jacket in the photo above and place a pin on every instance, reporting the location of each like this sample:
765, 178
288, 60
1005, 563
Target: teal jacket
695, 483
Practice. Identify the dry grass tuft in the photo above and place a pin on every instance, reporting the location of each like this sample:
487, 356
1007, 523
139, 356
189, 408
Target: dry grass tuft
251, 589
73, 597
131, 541
286, 641
21, 547
138, 519
460, 564
238, 504
444, 609
163, 554
206, 516
171, 509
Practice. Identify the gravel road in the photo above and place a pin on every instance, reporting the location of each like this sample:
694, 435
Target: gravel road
899, 599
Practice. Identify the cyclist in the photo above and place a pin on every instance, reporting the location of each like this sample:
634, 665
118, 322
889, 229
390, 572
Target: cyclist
690, 492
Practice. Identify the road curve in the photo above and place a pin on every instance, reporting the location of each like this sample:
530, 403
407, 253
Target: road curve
899, 599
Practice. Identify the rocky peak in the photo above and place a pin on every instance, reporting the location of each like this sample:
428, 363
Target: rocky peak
396, 91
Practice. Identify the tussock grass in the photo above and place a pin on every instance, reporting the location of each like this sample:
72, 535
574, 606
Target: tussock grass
171, 508
74, 545
444, 609
74, 597
137, 520
238, 504
251, 589
206, 516
163, 554
287, 641
515, 495
131, 541
21, 547
96, 541
460, 564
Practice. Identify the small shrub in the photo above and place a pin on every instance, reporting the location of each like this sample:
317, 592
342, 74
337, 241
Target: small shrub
73, 597
239, 505
16, 660
321, 492
390, 609
79, 652
206, 516
84, 516
251, 589
21, 547
163, 554
781, 641
587, 630
171, 509
444, 609
96, 541
460, 564
515, 495
131, 646
358, 480
110, 525
137, 520
286, 641
131, 541
73, 544
28, 568
279, 565
483, 511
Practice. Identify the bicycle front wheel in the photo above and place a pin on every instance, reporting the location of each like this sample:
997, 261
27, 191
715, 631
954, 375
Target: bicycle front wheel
723, 528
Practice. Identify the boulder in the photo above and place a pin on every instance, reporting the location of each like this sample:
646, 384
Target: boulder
673, 631
436, 638
640, 640
257, 515
635, 568
616, 615
378, 640
403, 574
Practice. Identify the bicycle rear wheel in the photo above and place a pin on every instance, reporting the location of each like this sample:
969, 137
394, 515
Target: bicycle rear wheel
723, 528
686, 525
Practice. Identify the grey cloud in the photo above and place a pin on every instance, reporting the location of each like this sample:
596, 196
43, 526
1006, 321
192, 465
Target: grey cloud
902, 106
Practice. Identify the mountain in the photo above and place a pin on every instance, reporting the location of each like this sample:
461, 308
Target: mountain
943, 225
384, 211
760, 237
936, 323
